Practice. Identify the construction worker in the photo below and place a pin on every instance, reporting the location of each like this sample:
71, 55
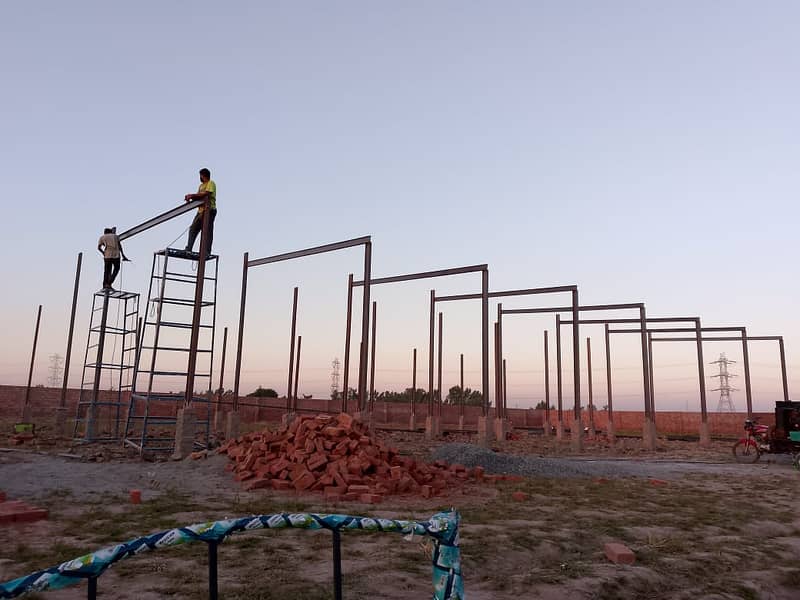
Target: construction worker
108, 245
207, 190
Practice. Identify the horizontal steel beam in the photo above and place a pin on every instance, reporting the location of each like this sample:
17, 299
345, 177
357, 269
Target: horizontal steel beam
310, 251
757, 338
162, 218
656, 330
589, 307
649, 320
425, 275
505, 293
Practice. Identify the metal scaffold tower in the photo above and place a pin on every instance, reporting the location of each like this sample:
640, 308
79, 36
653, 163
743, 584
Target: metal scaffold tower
110, 351
161, 365
724, 389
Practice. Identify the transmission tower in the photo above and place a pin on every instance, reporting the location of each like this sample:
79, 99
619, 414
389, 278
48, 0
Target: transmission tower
56, 370
335, 379
724, 389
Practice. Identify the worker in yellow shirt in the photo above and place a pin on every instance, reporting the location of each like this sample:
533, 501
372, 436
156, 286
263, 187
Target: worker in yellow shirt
207, 189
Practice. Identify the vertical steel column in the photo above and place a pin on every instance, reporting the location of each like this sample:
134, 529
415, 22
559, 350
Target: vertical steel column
783, 369
501, 388
91, 415
559, 396
414, 384
546, 382
608, 375
485, 340
645, 361
292, 338
498, 394
198, 304
589, 370
505, 399
461, 383
362, 368
347, 332
63, 401
213, 585
650, 370
701, 371
576, 356
221, 389
439, 367
372, 365
33, 356
337, 564
296, 374
746, 360
241, 334
431, 334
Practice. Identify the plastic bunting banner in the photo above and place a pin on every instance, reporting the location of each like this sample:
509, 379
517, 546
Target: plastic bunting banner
442, 528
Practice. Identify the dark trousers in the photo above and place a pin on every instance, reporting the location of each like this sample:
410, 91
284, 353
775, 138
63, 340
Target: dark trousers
110, 271
197, 227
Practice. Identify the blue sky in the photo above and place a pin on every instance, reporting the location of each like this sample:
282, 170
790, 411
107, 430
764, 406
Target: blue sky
645, 151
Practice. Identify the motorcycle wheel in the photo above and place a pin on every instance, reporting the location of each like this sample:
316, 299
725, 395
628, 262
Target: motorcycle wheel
746, 451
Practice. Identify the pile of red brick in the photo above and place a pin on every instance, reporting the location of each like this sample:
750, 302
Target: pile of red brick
16, 511
338, 457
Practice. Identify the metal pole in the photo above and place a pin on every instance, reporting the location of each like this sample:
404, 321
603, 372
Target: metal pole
26, 405
414, 384
91, 415
461, 382
783, 369
221, 390
348, 328
485, 340
372, 365
504, 386
498, 386
198, 304
546, 383
292, 338
431, 334
650, 369
576, 357
439, 368
213, 587
589, 369
645, 361
363, 363
559, 396
608, 376
337, 564
701, 374
241, 335
296, 373
501, 402
746, 360
63, 401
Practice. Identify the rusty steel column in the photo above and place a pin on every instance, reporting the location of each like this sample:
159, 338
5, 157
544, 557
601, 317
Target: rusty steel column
505, 398
705, 433
371, 403
347, 331
439, 367
546, 385
198, 304
559, 397
783, 369
608, 375
431, 336
645, 361
501, 388
461, 383
237, 376
485, 340
414, 384
221, 389
63, 400
296, 374
498, 386
576, 357
363, 363
650, 369
746, 360
590, 382
26, 406
292, 338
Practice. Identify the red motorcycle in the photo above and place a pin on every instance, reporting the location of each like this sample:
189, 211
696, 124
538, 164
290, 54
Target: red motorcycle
759, 440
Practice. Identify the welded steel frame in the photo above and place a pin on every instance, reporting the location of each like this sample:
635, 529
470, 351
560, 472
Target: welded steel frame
484, 270
748, 338
365, 241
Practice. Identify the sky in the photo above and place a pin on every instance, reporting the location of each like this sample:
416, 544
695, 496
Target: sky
643, 151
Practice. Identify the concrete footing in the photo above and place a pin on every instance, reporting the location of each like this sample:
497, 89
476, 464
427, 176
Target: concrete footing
232, 425
546, 428
432, 427
485, 431
185, 427
576, 435
611, 433
61, 422
705, 435
461, 423
501, 429
287, 418
27, 415
648, 435
412, 422
560, 430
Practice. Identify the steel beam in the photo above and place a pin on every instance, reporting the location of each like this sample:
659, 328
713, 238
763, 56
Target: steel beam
310, 251
162, 218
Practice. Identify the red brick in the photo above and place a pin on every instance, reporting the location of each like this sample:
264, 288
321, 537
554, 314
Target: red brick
345, 421
658, 482
258, 484
304, 482
520, 496
281, 484
360, 489
316, 461
427, 491
477, 473
244, 476
371, 498
333, 492
619, 553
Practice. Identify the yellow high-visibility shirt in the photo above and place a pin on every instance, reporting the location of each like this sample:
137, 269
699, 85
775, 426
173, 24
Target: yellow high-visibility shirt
210, 187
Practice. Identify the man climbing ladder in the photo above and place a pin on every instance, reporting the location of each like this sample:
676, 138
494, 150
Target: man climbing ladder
207, 190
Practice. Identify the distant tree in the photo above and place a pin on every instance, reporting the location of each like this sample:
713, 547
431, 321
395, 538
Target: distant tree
543, 405
469, 397
263, 393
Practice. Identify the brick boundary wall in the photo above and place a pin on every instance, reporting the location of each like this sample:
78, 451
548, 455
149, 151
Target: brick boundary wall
45, 400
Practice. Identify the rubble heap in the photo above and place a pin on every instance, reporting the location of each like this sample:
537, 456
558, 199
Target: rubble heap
337, 456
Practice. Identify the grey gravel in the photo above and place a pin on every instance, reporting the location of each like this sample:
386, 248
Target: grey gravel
471, 455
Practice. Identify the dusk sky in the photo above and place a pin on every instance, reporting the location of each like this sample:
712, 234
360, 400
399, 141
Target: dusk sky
643, 151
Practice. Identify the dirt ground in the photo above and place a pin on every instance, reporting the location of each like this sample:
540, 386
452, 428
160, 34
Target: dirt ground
710, 529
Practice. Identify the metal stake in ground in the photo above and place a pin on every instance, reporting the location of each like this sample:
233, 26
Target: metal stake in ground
26, 407
292, 338
62, 404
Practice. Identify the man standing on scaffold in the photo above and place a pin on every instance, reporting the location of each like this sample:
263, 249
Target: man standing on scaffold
207, 189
